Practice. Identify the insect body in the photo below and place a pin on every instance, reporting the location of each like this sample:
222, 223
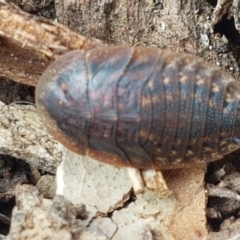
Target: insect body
140, 107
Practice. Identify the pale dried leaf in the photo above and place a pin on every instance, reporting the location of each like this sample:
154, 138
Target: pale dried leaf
104, 188
93, 183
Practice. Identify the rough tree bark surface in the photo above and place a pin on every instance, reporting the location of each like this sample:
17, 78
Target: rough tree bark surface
113, 213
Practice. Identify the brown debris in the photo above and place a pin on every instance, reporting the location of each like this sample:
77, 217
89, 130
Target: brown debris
46, 185
38, 218
231, 232
229, 7
23, 136
33, 6
12, 173
215, 191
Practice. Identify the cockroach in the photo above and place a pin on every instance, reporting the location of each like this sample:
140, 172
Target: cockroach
140, 107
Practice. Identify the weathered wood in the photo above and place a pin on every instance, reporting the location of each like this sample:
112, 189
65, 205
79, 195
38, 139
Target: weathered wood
28, 43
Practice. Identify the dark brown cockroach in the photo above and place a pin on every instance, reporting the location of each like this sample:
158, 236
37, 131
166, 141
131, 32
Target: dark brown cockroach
140, 107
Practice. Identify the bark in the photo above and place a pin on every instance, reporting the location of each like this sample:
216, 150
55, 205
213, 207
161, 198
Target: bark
28, 44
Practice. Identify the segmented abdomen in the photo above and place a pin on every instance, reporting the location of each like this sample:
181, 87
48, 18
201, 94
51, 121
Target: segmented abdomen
144, 107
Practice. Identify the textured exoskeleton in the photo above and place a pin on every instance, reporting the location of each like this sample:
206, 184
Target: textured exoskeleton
140, 107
